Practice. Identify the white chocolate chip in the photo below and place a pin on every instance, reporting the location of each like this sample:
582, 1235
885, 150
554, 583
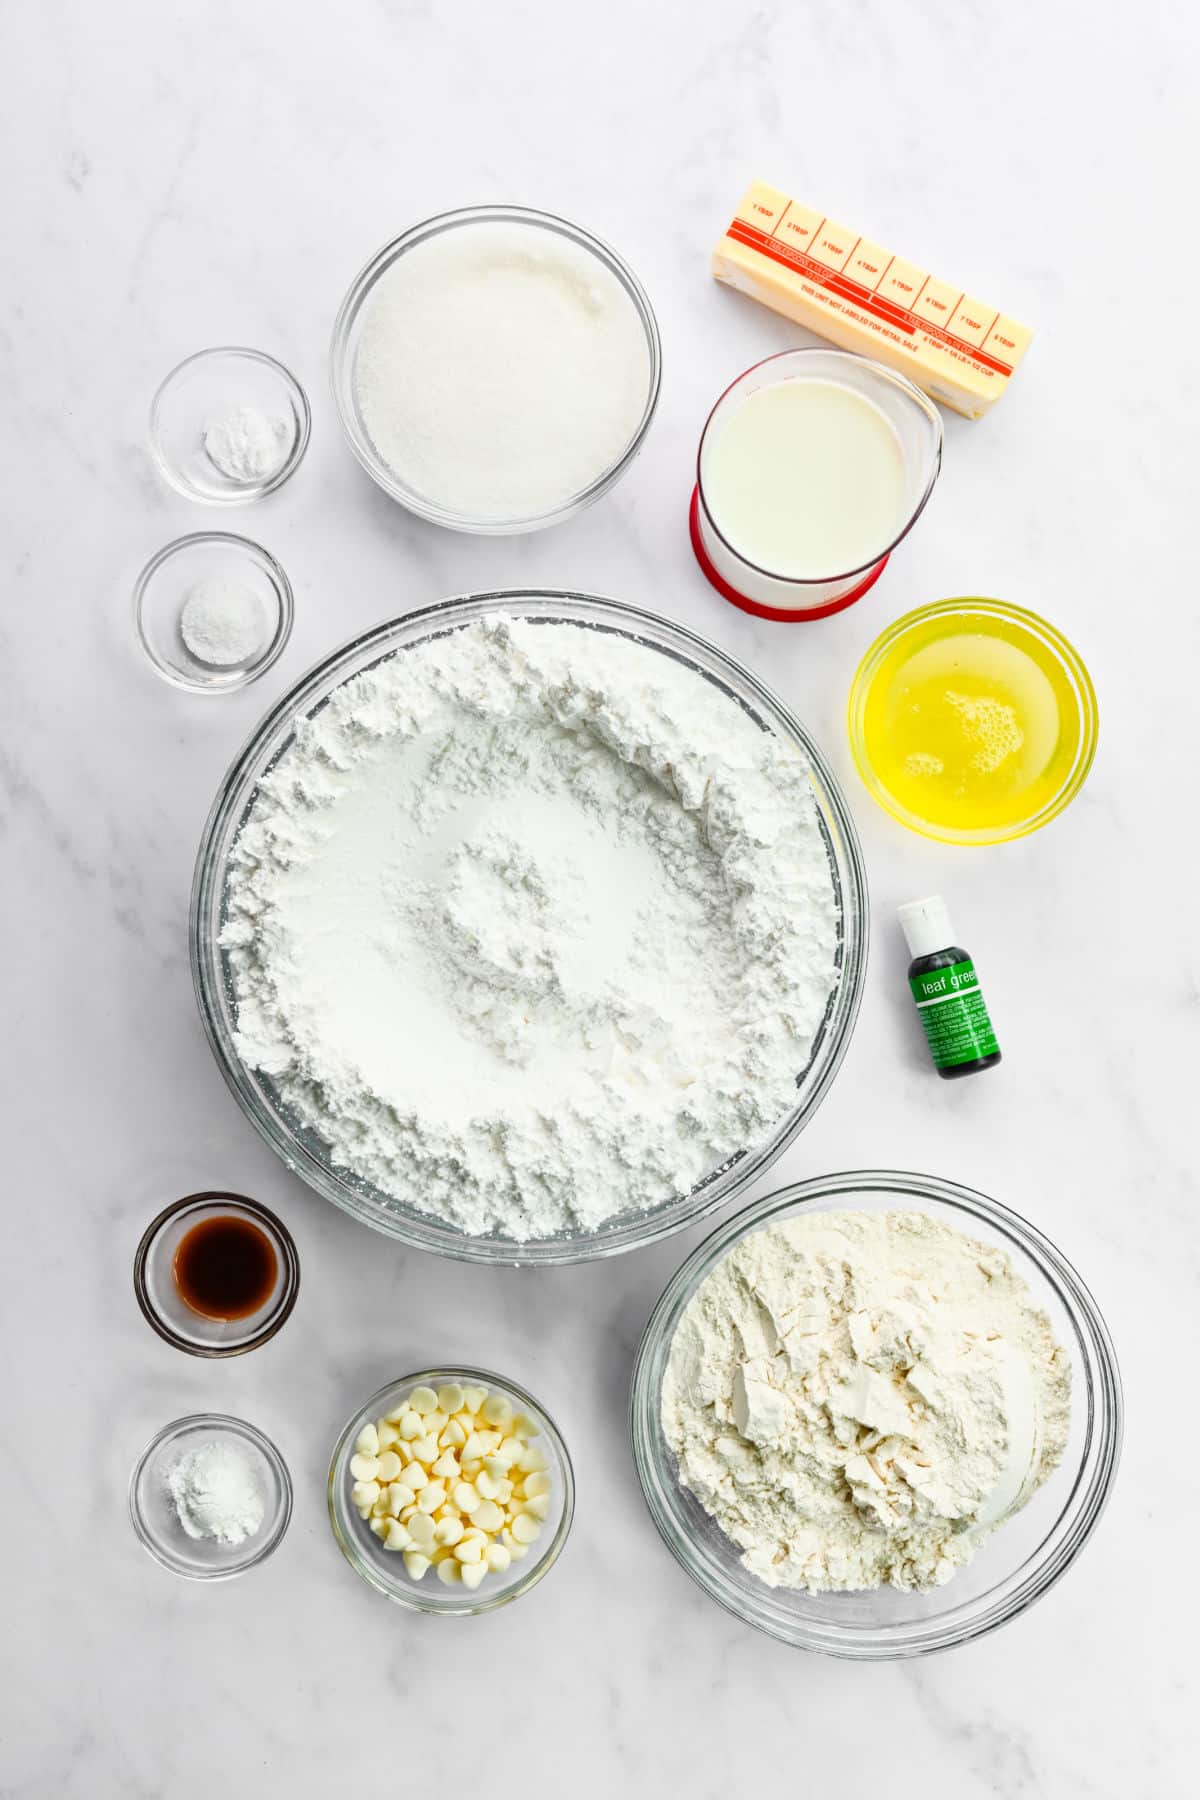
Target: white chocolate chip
365, 1493
379, 1526
432, 1496
367, 1441
426, 1449
487, 1516
538, 1507
448, 1531
423, 1400
446, 1465
466, 1496
399, 1495
387, 1435
387, 1466
486, 1485
422, 1531
450, 1571
497, 1410
537, 1483
409, 1423
398, 1536
450, 1397
364, 1468
414, 1475
474, 1397
498, 1558
473, 1574
525, 1529
415, 1564
469, 1549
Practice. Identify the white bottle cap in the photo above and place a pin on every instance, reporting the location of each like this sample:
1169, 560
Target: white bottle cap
926, 925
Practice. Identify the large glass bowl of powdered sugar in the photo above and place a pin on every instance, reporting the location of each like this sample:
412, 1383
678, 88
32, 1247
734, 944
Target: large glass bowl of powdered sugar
876, 1414
529, 927
495, 369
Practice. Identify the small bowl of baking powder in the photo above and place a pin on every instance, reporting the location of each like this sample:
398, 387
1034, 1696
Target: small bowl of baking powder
210, 1497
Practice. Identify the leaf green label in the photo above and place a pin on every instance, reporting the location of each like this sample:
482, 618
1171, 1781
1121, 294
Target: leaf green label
954, 1015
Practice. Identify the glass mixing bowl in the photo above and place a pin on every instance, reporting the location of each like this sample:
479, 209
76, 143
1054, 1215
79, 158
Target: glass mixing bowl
1015, 1566
347, 332
299, 1148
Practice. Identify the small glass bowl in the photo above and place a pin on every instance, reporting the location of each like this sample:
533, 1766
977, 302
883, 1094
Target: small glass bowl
162, 589
965, 615
384, 1569
205, 389
1013, 1568
347, 331
156, 1521
167, 1311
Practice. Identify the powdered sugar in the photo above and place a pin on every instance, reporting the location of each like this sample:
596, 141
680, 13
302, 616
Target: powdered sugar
532, 925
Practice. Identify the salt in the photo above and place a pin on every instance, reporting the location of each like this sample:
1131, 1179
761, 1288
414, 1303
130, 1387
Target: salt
223, 622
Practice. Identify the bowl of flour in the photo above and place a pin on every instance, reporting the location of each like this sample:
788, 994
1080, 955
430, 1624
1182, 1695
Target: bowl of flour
529, 927
876, 1414
495, 369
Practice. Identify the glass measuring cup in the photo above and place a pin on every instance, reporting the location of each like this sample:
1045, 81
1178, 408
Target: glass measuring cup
918, 428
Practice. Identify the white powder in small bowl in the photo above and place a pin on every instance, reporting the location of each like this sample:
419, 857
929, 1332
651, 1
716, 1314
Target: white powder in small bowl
502, 369
223, 622
216, 1494
247, 445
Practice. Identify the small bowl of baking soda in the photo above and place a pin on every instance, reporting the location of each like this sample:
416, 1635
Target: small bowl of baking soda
212, 611
210, 1497
451, 1491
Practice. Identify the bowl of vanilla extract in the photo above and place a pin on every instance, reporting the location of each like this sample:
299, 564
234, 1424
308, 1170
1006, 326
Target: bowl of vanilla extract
216, 1274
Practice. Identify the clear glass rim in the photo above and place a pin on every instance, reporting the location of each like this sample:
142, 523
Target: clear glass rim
363, 1565
252, 491
894, 379
847, 870
282, 1310
241, 1428
283, 629
968, 607
342, 372
1089, 1493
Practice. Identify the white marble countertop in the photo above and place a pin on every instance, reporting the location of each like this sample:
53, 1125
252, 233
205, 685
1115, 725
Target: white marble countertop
180, 176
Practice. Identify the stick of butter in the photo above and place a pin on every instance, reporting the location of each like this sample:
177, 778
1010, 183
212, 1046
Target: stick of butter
864, 298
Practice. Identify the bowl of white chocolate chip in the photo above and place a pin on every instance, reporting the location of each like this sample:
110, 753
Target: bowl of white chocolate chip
451, 1491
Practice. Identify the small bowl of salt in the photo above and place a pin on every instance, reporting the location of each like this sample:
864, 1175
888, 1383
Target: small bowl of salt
228, 426
212, 611
210, 1497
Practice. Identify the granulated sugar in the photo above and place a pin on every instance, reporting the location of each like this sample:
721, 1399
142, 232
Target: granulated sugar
532, 925
502, 369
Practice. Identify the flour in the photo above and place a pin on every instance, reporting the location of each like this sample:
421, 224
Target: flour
860, 1398
502, 369
532, 926
216, 1494
247, 445
223, 622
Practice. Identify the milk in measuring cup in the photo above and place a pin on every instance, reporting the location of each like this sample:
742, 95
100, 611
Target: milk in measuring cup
806, 479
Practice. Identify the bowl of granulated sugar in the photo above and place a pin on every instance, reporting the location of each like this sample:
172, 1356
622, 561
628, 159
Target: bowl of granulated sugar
496, 369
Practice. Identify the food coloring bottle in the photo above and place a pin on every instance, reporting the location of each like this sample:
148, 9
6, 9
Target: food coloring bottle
946, 989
